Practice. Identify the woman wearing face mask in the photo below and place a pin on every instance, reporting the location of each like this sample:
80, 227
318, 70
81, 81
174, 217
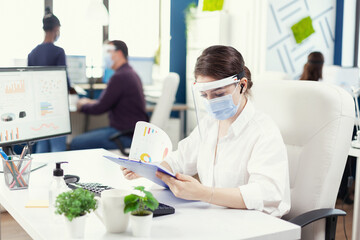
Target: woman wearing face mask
47, 54
237, 152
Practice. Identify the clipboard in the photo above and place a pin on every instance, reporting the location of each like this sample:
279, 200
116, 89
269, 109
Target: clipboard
146, 170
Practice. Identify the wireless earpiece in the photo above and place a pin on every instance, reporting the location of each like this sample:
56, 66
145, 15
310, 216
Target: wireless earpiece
242, 87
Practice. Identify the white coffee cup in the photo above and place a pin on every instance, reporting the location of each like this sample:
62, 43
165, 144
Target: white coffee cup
111, 210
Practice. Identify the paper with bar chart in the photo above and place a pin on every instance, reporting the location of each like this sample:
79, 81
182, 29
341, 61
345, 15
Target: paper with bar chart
150, 143
33, 104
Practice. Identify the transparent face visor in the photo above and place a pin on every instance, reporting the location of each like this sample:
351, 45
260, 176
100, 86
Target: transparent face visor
214, 99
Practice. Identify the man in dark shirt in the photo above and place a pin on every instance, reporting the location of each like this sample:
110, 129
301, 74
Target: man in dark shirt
123, 99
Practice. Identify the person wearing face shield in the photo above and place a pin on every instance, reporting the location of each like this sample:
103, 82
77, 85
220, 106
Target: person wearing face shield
123, 99
237, 152
47, 54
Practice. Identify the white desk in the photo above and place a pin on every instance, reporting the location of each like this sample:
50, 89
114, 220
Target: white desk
192, 220
355, 152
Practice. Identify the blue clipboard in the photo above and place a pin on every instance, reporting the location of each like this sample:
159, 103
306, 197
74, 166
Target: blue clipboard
146, 170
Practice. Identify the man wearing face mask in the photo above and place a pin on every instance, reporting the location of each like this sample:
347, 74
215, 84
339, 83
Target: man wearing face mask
123, 99
47, 54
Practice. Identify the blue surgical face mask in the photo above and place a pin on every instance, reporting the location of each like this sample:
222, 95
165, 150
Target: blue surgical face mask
222, 108
108, 61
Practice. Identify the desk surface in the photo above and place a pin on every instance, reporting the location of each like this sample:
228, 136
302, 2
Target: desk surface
192, 220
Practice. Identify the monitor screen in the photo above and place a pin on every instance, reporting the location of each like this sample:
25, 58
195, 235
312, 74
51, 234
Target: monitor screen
76, 68
143, 66
33, 104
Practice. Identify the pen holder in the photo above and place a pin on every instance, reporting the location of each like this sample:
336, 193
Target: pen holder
17, 172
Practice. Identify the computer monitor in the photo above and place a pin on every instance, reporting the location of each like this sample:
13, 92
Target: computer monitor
143, 66
76, 68
33, 104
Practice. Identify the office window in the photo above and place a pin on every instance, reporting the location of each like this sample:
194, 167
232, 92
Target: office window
81, 34
144, 25
135, 22
21, 30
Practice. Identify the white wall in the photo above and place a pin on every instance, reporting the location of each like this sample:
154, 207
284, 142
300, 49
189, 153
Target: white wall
283, 54
248, 31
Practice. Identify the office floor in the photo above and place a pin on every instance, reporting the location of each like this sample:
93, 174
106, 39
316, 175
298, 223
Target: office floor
11, 230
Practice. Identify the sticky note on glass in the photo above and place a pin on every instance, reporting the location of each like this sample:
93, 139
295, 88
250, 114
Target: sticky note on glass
37, 204
302, 29
213, 5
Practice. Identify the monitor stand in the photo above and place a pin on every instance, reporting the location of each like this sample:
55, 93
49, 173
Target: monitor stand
9, 150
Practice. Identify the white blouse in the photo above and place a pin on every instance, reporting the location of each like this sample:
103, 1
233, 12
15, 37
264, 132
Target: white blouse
252, 157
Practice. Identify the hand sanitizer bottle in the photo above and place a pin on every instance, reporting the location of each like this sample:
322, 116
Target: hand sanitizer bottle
57, 185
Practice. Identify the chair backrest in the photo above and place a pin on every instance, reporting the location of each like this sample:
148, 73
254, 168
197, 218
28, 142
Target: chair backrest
316, 120
161, 114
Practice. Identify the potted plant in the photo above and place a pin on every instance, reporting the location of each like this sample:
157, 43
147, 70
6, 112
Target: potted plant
140, 205
74, 205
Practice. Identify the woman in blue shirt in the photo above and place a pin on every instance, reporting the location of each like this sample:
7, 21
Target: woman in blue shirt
47, 54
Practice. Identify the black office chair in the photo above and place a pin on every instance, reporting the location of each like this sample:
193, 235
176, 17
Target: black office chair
116, 139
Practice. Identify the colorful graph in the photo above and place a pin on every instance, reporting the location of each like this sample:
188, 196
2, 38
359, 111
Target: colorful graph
46, 108
9, 135
145, 158
17, 86
44, 125
149, 131
49, 86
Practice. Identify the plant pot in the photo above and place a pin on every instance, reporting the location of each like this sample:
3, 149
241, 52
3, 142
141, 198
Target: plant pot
76, 227
141, 225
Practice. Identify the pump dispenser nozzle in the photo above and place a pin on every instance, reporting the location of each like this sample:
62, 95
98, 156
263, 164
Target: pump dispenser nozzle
58, 171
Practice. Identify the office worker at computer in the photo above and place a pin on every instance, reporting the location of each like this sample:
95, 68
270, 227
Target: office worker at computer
237, 152
47, 54
123, 99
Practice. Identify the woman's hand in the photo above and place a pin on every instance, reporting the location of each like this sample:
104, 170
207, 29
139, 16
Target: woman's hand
129, 175
186, 187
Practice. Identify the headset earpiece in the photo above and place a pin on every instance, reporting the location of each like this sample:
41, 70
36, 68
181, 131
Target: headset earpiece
242, 87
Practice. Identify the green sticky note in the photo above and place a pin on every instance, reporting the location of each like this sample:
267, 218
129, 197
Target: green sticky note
302, 29
213, 5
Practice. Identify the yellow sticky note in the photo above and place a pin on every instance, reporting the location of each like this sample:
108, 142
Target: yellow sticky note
37, 204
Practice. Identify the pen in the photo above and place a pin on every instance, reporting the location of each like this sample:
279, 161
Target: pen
23, 154
24, 151
3, 155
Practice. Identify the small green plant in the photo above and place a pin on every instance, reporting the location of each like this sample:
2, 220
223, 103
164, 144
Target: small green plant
139, 205
75, 203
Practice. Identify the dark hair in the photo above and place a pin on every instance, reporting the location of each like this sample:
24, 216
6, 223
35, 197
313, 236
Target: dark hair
220, 62
313, 67
50, 21
120, 45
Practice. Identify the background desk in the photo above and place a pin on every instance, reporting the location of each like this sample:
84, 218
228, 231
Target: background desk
99, 121
192, 220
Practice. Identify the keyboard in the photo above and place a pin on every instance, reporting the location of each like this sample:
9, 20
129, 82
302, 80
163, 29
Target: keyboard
97, 188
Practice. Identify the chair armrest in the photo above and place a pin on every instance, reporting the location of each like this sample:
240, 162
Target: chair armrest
127, 132
312, 216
